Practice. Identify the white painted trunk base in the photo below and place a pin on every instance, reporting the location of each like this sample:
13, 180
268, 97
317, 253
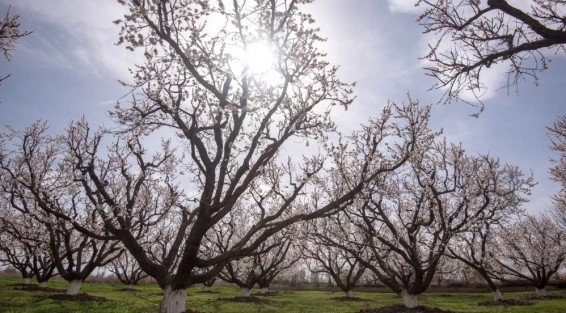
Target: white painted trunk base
264, 291
206, 288
26, 281
541, 292
129, 287
497, 295
409, 300
349, 294
173, 301
74, 287
43, 284
245, 292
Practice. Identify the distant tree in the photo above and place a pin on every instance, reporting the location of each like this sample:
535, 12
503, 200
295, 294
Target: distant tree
10, 32
408, 220
208, 284
127, 270
533, 250
323, 253
24, 241
474, 35
40, 188
557, 134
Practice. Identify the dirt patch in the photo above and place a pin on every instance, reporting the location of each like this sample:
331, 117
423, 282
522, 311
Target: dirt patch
402, 309
32, 288
251, 299
346, 299
505, 302
81, 297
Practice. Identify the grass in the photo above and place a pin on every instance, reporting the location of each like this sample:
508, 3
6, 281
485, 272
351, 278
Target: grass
147, 298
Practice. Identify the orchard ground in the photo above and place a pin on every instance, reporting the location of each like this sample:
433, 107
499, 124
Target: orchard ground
113, 298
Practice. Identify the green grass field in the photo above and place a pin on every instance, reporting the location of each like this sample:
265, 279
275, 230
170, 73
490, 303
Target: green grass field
147, 297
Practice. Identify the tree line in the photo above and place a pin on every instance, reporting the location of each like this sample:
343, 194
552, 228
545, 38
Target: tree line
218, 195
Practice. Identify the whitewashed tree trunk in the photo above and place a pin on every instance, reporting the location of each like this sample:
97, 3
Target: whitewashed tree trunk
43, 284
497, 295
26, 281
409, 300
349, 294
264, 290
245, 292
129, 287
206, 288
74, 287
173, 300
541, 292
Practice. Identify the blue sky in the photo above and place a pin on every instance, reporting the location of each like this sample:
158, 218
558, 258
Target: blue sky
69, 67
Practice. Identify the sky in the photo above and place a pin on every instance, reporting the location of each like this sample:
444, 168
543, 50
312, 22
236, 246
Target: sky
70, 66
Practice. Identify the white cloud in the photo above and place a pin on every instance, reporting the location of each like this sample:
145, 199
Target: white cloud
403, 6
88, 32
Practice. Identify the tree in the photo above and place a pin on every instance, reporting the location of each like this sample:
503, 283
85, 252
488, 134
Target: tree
410, 216
10, 32
25, 245
231, 121
533, 250
328, 258
474, 35
40, 188
558, 171
478, 249
127, 270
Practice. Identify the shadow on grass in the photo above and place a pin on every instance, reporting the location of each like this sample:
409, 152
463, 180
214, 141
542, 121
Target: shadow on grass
505, 302
402, 309
251, 299
81, 297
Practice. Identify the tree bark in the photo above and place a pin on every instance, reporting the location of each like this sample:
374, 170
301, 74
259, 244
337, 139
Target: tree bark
245, 292
74, 287
173, 300
409, 300
497, 295
43, 284
349, 293
541, 292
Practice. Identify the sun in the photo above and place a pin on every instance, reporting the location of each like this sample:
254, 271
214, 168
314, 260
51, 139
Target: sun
259, 58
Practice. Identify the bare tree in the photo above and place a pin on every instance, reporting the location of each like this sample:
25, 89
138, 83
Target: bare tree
10, 32
533, 250
38, 187
474, 35
328, 258
409, 218
25, 242
478, 249
558, 171
127, 270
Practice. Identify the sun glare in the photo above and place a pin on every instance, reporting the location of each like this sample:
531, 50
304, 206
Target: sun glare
259, 58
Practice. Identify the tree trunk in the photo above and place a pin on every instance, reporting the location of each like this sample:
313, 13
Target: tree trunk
26, 281
42, 284
349, 293
497, 295
74, 287
264, 290
245, 292
205, 288
409, 300
129, 286
173, 300
541, 292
